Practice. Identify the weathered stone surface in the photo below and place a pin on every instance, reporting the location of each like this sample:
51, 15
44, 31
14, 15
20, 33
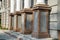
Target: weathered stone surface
58, 26
53, 25
19, 21
4, 36
53, 33
52, 2
58, 17
58, 6
13, 21
54, 9
7, 19
26, 37
5, 13
53, 17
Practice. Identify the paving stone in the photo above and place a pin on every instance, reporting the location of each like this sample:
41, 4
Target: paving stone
27, 37
4, 36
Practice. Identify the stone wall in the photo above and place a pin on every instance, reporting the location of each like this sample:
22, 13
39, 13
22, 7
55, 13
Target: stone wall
5, 13
53, 18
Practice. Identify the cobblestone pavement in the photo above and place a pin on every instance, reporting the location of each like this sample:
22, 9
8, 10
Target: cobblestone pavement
4, 36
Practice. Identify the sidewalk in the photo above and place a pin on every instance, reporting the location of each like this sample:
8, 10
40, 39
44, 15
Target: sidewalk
4, 36
19, 36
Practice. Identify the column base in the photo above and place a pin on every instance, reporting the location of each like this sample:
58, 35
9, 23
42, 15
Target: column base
3, 27
18, 29
11, 28
15, 29
40, 35
26, 32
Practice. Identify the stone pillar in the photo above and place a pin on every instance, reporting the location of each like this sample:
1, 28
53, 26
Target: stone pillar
18, 5
11, 12
26, 13
27, 3
22, 4
12, 6
4, 20
35, 2
7, 13
0, 4
40, 19
15, 23
10, 25
40, 2
3, 14
18, 8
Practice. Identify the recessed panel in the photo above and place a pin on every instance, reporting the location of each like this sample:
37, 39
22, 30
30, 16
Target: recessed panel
19, 21
43, 21
12, 21
23, 18
28, 21
35, 21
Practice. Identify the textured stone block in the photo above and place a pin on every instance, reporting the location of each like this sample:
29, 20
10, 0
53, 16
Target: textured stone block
52, 2
59, 6
12, 21
53, 33
53, 25
58, 26
54, 9
19, 21
53, 17
58, 17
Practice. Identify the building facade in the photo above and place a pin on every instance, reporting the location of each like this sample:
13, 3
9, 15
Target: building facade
5, 10
13, 13
0, 11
